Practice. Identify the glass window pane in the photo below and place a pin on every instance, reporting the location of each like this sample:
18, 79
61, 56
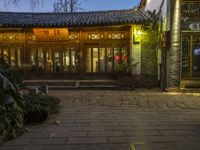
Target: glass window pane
19, 57
33, 55
123, 55
57, 61
12, 57
88, 60
109, 60
5, 55
95, 60
66, 61
74, 61
186, 56
48, 60
117, 56
102, 60
196, 56
40, 58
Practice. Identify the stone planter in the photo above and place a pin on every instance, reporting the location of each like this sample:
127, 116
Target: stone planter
125, 80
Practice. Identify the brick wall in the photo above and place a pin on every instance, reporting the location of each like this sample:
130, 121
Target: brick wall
149, 67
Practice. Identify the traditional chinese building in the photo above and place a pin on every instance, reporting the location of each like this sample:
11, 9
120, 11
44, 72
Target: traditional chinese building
179, 41
85, 45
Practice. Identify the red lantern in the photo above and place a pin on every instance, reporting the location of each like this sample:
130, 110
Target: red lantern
123, 57
117, 58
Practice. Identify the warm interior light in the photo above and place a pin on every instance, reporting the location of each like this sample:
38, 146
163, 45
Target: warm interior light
139, 32
148, 1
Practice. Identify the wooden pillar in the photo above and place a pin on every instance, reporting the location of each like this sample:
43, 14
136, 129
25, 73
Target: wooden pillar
175, 50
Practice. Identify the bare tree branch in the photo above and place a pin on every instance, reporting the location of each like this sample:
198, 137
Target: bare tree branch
59, 5
67, 5
33, 3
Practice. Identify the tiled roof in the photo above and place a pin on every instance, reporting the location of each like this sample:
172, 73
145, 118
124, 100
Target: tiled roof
78, 19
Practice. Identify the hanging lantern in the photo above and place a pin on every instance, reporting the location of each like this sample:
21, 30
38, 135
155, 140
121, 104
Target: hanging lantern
123, 57
117, 58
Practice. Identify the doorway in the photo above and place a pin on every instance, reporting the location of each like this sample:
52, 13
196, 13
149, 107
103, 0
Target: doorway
191, 56
59, 59
104, 59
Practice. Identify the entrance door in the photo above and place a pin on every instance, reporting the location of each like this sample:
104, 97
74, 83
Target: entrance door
70, 60
92, 60
61, 59
191, 57
104, 59
66, 60
96, 60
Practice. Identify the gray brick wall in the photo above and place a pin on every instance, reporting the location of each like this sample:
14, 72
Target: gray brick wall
149, 68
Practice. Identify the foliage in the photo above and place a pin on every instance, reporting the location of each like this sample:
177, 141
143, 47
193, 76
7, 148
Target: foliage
125, 67
11, 104
122, 68
11, 120
13, 75
16, 109
38, 106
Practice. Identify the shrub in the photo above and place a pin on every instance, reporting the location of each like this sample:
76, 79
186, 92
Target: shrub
38, 106
15, 109
11, 112
11, 104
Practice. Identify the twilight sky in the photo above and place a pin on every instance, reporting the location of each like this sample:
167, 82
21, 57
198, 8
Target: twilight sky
89, 5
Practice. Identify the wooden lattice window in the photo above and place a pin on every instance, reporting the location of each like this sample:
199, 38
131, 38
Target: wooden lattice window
31, 37
73, 36
116, 36
11, 37
95, 36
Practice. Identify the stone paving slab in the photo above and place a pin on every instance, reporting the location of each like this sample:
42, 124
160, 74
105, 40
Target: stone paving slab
117, 120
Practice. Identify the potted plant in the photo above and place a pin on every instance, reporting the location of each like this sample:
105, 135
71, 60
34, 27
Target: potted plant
123, 71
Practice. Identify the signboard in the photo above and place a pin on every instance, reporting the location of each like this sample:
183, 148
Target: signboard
51, 34
192, 26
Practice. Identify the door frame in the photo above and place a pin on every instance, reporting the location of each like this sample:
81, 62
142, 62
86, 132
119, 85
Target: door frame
106, 46
191, 55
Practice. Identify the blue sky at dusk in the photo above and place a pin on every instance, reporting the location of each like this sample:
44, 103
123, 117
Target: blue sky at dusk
89, 5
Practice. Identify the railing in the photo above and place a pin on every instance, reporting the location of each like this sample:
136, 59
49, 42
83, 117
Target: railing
191, 76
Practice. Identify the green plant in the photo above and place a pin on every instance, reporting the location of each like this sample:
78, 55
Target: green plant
15, 109
38, 107
11, 105
125, 67
14, 75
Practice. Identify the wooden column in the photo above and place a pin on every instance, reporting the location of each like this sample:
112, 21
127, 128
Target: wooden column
175, 50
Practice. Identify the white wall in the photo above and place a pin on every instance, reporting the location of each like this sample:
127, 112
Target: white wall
165, 11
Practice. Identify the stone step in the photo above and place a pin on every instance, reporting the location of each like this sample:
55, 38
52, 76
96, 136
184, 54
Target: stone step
83, 87
73, 84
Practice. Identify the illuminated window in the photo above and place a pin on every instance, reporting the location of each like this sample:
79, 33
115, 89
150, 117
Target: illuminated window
95, 36
73, 36
31, 37
10, 37
116, 36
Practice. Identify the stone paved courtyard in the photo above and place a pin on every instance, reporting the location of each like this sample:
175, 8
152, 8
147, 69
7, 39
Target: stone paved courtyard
117, 120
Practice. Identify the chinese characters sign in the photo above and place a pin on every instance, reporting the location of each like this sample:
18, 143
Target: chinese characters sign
51, 34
